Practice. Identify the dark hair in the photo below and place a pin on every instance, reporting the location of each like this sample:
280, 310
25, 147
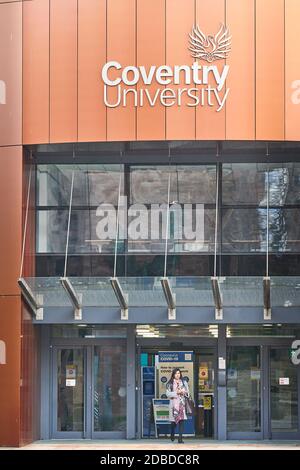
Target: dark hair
173, 375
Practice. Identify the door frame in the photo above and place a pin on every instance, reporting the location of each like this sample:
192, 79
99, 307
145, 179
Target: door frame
281, 435
88, 422
174, 344
265, 344
54, 433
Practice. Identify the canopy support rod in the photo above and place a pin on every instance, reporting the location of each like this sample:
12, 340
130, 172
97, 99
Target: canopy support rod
266, 279
26, 222
165, 282
215, 284
114, 281
117, 224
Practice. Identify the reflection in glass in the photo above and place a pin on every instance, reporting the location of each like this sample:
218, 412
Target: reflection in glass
244, 389
284, 392
246, 184
110, 387
70, 390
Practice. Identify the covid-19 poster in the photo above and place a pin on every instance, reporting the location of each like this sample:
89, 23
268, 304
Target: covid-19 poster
166, 362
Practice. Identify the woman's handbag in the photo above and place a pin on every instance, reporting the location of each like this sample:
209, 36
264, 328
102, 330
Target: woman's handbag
189, 406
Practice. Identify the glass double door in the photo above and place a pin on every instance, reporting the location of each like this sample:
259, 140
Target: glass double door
89, 391
262, 393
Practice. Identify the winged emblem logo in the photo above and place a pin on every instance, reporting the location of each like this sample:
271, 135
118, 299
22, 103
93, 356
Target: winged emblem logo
210, 47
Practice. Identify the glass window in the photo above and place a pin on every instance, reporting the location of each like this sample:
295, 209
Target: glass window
70, 389
110, 387
284, 392
244, 389
252, 331
246, 183
245, 230
87, 331
93, 184
176, 331
189, 184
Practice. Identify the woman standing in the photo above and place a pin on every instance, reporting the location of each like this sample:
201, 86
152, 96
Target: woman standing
177, 391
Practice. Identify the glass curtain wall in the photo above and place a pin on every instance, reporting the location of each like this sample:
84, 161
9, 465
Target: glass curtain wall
192, 198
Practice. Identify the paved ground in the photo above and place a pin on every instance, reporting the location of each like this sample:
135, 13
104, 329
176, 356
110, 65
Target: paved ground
162, 444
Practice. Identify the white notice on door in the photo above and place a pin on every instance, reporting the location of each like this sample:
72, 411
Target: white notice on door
70, 382
222, 363
284, 381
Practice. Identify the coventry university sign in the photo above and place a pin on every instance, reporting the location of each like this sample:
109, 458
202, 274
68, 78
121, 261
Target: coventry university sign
209, 80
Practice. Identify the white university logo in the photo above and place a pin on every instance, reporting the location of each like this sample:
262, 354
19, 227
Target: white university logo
200, 84
210, 48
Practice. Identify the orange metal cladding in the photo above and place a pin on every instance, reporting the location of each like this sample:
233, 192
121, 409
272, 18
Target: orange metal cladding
151, 119
240, 106
11, 218
180, 120
10, 299
91, 54
63, 71
36, 71
11, 74
264, 63
270, 69
10, 335
209, 123
292, 79
121, 47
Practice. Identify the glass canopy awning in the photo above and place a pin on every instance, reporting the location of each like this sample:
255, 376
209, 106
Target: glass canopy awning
170, 292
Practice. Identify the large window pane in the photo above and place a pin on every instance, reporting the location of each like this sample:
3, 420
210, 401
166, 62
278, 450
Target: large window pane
244, 389
246, 183
284, 392
86, 235
93, 184
245, 230
189, 184
70, 389
110, 387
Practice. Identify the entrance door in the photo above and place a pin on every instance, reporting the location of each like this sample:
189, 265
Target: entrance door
244, 392
69, 392
205, 393
204, 389
89, 391
284, 386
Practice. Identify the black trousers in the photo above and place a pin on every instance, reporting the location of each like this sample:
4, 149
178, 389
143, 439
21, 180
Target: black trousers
180, 427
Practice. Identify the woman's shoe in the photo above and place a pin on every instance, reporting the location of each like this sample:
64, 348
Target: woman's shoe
180, 440
172, 437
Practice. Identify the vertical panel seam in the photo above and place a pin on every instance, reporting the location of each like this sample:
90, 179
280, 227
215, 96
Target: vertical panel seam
255, 71
106, 28
136, 46
195, 19
49, 75
22, 75
225, 119
165, 110
284, 71
77, 71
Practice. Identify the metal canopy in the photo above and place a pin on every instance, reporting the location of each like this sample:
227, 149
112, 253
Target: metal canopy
121, 297
35, 301
75, 297
221, 293
170, 297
